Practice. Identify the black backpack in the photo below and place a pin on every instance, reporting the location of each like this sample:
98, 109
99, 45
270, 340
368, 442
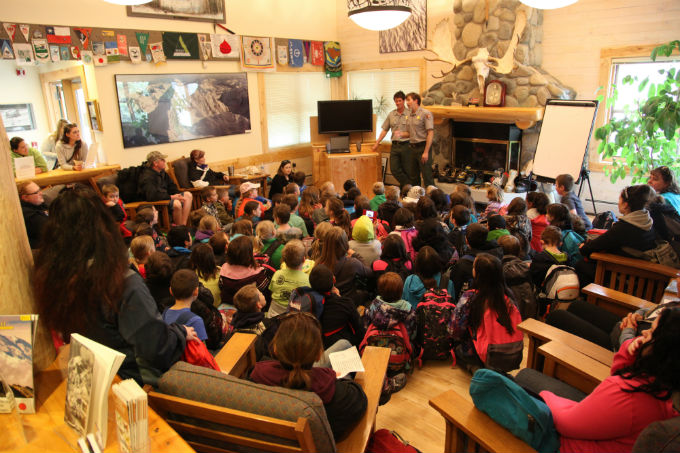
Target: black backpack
518, 278
127, 182
666, 224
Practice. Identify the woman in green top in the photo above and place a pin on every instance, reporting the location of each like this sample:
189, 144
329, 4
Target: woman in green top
21, 149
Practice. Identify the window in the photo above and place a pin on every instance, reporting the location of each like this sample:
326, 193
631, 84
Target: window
290, 101
628, 94
380, 86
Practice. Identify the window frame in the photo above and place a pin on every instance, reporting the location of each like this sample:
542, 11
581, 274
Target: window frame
608, 58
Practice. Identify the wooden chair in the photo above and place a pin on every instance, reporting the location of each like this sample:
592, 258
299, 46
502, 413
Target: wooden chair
237, 356
572, 367
131, 208
638, 278
540, 333
469, 429
614, 301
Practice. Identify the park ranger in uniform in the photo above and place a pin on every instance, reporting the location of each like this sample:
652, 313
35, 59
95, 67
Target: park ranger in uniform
400, 152
421, 132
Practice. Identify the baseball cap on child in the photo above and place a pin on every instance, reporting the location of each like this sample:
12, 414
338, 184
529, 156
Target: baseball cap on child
248, 186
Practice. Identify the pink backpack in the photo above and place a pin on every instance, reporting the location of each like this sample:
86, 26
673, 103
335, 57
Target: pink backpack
407, 236
498, 349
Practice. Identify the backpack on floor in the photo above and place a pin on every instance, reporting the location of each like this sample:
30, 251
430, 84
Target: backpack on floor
512, 407
396, 339
666, 224
498, 349
560, 284
386, 441
433, 313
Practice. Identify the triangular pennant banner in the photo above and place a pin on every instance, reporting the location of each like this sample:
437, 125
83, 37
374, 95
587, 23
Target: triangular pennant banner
24, 29
7, 52
11, 29
143, 40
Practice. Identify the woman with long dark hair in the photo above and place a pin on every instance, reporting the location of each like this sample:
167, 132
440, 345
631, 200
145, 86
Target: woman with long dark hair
71, 150
427, 274
644, 375
82, 284
490, 296
338, 216
281, 179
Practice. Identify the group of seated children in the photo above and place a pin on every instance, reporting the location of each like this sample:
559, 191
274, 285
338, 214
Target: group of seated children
326, 272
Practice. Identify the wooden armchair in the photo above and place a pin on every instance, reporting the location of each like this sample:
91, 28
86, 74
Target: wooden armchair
201, 421
469, 429
162, 206
614, 301
540, 333
638, 278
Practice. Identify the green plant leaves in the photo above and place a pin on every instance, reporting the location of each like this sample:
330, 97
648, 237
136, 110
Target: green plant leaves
645, 135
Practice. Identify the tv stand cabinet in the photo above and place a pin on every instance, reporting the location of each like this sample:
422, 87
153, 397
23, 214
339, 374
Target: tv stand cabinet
364, 167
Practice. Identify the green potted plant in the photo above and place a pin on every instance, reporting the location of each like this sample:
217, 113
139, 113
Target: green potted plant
647, 135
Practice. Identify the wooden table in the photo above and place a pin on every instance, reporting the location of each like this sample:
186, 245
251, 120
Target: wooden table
260, 178
46, 430
60, 176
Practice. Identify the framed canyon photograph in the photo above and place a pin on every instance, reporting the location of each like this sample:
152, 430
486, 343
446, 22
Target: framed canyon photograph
197, 10
165, 108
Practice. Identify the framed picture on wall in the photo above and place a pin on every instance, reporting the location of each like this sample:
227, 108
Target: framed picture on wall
197, 10
165, 108
17, 117
93, 114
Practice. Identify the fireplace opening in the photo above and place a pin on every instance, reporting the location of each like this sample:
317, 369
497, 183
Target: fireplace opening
486, 146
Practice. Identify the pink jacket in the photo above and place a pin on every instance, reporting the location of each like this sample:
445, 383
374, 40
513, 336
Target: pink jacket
609, 419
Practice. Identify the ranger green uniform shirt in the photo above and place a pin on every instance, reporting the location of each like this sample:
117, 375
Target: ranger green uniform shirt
397, 122
419, 123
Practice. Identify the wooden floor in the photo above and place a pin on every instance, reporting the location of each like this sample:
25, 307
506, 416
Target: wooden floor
408, 412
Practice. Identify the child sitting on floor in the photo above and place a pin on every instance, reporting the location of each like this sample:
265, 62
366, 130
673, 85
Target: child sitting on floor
214, 207
249, 302
184, 288
286, 280
111, 197
551, 240
141, 248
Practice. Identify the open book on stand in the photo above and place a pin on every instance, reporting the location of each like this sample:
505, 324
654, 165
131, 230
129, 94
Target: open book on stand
91, 368
17, 333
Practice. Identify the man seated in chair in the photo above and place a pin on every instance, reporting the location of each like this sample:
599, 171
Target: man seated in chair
155, 185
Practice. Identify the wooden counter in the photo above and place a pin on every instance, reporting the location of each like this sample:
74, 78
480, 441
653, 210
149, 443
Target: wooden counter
46, 430
60, 176
364, 167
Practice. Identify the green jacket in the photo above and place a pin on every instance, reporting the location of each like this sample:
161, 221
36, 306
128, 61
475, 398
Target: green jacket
37, 157
377, 201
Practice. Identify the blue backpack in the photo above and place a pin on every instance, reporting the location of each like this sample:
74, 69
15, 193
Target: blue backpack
511, 406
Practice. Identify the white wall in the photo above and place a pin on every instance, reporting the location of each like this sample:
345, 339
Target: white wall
24, 90
301, 19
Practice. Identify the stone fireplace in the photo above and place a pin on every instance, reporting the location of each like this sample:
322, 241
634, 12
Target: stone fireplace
527, 84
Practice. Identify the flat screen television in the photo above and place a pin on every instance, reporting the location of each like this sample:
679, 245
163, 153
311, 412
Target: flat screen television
341, 117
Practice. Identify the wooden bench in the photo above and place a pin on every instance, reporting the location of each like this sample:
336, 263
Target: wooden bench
638, 278
469, 429
572, 367
614, 301
237, 356
539, 333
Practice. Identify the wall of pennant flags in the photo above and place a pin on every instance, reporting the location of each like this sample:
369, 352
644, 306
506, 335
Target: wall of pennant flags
31, 44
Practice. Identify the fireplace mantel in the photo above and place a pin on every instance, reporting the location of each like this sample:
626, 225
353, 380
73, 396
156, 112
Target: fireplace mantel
523, 117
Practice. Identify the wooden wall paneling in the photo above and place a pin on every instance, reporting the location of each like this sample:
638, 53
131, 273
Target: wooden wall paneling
16, 260
261, 94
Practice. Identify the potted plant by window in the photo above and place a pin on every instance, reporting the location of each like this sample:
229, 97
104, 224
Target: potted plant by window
646, 135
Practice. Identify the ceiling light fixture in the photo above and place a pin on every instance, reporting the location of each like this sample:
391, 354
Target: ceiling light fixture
378, 14
127, 2
548, 4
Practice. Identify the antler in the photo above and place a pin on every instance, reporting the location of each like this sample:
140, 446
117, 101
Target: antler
506, 63
441, 45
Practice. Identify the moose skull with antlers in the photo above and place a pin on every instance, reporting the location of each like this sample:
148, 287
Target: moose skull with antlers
442, 47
